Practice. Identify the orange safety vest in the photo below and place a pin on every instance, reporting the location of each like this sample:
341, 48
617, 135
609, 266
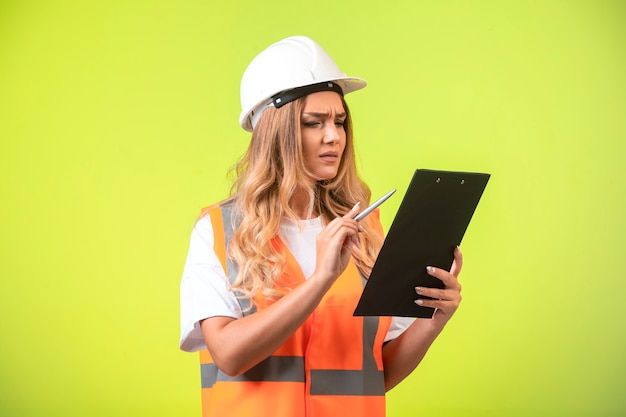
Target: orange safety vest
331, 366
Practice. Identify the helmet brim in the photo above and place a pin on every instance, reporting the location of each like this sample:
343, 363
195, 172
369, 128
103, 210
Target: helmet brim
347, 84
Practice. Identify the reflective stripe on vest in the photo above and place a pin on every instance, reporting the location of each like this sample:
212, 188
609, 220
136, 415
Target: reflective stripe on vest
365, 381
323, 381
274, 368
229, 224
319, 375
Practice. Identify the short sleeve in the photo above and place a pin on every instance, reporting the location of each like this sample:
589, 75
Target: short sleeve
398, 326
204, 288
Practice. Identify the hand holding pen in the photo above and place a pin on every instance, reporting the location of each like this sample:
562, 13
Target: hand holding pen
334, 243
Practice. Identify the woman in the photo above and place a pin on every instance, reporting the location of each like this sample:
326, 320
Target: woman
274, 273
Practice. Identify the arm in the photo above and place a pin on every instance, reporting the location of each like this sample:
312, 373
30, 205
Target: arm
402, 355
236, 345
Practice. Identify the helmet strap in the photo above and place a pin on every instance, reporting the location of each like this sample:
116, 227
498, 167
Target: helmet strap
287, 96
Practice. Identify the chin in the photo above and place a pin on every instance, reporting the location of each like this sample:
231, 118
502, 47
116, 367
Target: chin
327, 176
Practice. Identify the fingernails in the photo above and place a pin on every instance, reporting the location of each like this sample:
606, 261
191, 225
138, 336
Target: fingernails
358, 203
430, 269
419, 290
419, 302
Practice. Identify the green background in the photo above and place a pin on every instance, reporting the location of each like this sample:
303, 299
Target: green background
118, 122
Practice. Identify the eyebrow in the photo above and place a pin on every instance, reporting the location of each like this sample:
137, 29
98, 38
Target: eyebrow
323, 114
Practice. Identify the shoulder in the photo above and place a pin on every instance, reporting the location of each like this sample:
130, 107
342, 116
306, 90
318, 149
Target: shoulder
208, 210
217, 210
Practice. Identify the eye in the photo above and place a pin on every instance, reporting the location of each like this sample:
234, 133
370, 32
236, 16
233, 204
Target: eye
340, 123
311, 123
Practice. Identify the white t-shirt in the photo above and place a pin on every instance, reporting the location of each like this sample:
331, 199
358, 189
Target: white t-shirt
204, 286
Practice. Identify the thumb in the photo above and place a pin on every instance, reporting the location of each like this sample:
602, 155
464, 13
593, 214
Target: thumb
458, 262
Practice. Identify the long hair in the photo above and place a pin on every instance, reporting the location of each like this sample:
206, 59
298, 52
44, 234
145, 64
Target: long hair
267, 176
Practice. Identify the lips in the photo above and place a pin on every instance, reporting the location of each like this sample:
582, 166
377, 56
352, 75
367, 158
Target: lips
329, 156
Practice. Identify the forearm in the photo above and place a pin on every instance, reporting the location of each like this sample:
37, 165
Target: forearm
404, 353
237, 345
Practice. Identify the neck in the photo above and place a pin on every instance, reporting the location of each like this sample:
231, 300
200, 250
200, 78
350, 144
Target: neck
300, 204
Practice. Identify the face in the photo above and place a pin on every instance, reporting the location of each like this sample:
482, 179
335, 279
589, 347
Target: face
323, 133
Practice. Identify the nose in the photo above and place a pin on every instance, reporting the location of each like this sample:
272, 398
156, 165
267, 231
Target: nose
331, 133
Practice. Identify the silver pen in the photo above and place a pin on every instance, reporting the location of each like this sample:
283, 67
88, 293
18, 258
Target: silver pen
371, 208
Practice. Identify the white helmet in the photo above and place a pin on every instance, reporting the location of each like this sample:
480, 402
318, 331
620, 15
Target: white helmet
287, 65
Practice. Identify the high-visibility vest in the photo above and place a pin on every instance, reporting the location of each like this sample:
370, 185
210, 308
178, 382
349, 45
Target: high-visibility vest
331, 366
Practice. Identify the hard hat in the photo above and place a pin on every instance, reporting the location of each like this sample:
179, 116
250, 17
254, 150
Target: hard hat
288, 65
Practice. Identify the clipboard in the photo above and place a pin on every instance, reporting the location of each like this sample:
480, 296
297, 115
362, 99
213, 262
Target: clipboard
431, 221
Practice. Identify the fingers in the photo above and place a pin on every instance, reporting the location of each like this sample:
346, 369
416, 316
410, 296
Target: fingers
338, 224
448, 307
353, 212
344, 226
457, 264
341, 233
334, 245
448, 278
448, 299
438, 298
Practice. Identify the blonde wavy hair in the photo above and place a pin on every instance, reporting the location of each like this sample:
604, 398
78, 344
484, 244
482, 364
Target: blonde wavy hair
267, 177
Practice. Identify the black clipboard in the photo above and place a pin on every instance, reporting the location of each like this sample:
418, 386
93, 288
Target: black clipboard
430, 223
